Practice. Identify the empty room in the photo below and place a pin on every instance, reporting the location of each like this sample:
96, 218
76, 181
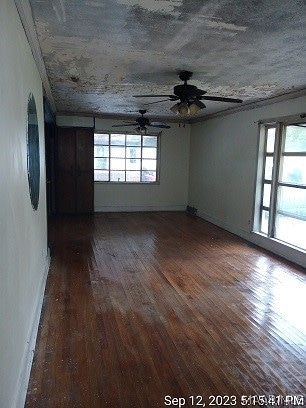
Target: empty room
153, 203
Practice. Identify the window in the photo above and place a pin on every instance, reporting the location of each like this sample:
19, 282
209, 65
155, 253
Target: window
281, 209
126, 158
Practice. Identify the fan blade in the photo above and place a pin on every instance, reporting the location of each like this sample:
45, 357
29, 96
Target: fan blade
163, 100
220, 99
154, 96
201, 92
126, 124
157, 123
199, 103
161, 125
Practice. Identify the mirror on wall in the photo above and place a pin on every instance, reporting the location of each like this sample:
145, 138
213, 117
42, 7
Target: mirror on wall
33, 159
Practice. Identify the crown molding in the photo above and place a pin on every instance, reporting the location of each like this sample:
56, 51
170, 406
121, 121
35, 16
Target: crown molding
26, 17
122, 116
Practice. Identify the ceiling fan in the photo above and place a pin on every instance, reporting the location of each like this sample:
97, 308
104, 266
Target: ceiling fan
189, 96
141, 123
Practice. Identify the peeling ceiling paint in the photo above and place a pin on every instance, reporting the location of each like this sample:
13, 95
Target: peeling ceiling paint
98, 54
162, 6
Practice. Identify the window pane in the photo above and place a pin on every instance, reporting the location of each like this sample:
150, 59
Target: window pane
133, 176
117, 151
117, 164
149, 164
101, 151
101, 139
268, 168
293, 169
133, 164
149, 141
266, 195
133, 152
292, 201
125, 157
270, 140
149, 152
295, 139
101, 164
264, 221
101, 175
117, 139
133, 140
117, 176
148, 176
291, 230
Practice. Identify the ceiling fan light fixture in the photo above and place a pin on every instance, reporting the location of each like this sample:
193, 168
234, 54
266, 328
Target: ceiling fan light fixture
174, 109
141, 130
183, 109
194, 108
189, 96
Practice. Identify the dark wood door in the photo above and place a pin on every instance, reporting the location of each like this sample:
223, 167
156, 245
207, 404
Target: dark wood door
66, 149
66, 193
84, 171
50, 153
75, 171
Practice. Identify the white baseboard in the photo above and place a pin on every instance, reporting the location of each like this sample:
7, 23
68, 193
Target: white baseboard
282, 249
223, 224
23, 381
139, 208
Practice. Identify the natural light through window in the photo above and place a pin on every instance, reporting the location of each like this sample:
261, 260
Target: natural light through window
283, 184
126, 158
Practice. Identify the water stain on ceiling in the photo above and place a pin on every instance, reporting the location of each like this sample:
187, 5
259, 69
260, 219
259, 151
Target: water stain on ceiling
98, 54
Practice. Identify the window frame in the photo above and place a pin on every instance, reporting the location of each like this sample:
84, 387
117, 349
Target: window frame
275, 182
158, 154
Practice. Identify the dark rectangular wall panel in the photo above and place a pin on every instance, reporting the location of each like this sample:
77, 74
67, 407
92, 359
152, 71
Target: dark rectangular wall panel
75, 187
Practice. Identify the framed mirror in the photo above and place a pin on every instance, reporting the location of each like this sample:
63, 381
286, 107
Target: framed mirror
33, 158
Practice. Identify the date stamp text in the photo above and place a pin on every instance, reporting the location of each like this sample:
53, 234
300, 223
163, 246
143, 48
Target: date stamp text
233, 400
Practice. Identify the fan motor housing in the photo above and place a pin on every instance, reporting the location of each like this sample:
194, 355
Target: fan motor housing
142, 122
187, 91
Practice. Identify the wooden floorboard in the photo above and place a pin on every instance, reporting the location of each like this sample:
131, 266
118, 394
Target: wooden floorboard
140, 306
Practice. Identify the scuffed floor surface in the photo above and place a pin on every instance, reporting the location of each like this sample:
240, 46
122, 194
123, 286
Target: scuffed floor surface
142, 308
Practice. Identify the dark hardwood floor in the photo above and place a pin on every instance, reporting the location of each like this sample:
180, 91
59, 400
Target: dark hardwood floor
140, 306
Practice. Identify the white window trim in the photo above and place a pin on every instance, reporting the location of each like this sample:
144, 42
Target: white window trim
280, 124
158, 160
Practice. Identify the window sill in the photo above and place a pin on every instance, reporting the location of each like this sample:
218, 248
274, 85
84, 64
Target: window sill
127, 182
279, 241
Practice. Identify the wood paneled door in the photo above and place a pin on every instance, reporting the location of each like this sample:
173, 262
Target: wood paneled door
75, 175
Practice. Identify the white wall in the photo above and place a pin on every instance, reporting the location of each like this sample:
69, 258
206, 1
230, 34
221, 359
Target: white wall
172, 191
23, 250
223, 165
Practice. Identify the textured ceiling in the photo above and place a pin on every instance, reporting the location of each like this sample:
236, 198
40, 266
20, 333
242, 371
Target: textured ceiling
99, 53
